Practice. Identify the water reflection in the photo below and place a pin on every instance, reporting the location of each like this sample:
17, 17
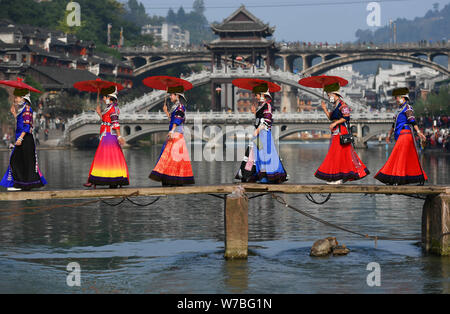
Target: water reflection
176, 245
236, 273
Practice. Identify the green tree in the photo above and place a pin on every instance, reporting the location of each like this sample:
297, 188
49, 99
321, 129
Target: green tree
171, 17
199, 7
434, 104
136, 13
4, 106
34, 96
181, 14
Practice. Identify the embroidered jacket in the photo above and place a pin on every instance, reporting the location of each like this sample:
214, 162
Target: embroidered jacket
404, 119
341, 111
264, 115
24, 120
110, 119
177, 117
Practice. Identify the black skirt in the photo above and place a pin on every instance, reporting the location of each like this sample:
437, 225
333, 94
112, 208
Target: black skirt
243, 174
24, 167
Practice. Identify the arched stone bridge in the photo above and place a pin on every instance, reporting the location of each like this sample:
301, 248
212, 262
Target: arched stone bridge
337, 55
148, 59
201, 125
154, 98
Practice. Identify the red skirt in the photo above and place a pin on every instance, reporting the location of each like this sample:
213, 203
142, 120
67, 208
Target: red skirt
403, 166
341, 162
174, 165
109, 166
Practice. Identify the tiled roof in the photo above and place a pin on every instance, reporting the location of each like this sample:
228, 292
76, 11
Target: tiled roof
64, 76
242, 21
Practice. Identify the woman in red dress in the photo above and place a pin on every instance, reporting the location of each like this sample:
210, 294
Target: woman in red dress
341, 163
109, 166
174, 165
403, 166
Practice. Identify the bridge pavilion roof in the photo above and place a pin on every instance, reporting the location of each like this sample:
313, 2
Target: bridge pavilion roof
242, 30
242, 21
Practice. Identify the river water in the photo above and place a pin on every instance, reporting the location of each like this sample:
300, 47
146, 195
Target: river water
176, 245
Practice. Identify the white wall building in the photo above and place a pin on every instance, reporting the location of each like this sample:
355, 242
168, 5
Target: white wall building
172, 35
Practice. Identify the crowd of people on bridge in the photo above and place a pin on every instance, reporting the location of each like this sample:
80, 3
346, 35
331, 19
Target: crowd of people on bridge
261, 163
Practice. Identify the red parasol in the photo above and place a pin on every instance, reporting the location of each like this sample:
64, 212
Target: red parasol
164, 82
94, 86
19, 84
322, 80
249, 84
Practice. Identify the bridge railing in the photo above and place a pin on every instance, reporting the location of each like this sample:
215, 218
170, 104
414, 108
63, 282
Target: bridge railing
164, 50
157, 95
300, 46
229, 71
307, 47
92, 117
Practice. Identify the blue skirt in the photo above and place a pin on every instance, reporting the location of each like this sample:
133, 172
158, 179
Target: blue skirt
266, 164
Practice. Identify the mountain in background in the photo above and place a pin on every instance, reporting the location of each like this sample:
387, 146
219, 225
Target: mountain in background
195, 22
95, 17
136, 13
433, 26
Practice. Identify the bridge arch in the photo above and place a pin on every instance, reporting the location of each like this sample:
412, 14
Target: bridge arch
365, 130
337, 62
313, 60
331, 56
139, 61
136, 136
86, 137
439, 54
170, 61
376, 133
420, 55
205, 77
319, 127
279, 63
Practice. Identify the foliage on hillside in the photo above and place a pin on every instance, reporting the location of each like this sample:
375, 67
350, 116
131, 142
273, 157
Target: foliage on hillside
95, 17
433, 26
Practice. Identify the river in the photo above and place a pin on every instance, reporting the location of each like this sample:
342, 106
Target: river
176, 245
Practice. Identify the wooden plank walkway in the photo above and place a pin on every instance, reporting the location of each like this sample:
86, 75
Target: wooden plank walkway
224, 189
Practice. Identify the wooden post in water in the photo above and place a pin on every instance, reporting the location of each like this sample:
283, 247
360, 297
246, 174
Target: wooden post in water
436, 224
236, 225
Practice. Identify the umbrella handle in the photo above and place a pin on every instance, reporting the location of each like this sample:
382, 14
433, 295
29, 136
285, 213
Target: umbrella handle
165, 103
99, 112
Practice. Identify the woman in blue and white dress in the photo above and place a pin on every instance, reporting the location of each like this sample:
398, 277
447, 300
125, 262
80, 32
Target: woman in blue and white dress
23, 171
262, 163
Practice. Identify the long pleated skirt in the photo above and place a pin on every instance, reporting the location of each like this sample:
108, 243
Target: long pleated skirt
109, 166
402, 166
174, 165
23, 170
341, 163
262, 163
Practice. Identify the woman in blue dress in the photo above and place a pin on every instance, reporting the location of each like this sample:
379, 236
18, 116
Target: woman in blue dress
262, 163
23, 172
